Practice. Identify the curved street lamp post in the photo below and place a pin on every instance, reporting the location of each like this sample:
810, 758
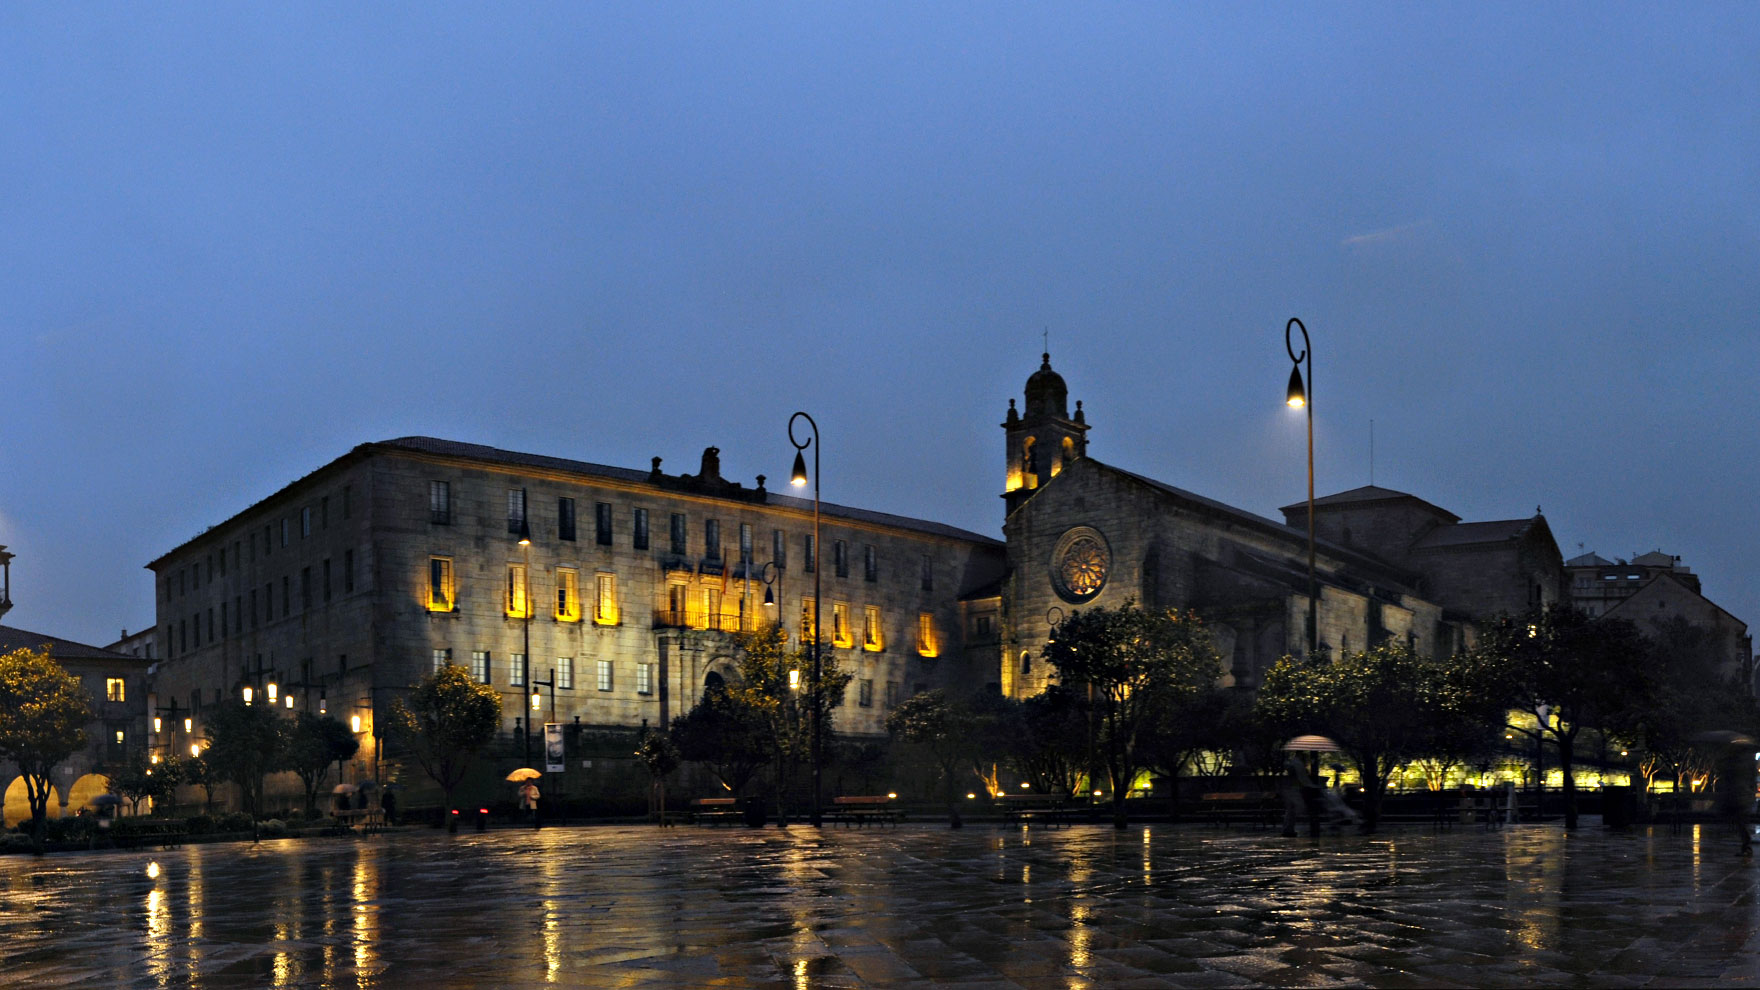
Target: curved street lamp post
1301, 395
798, 478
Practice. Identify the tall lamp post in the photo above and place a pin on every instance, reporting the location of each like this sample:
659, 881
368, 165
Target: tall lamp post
1301, 396
525, 659
799, 478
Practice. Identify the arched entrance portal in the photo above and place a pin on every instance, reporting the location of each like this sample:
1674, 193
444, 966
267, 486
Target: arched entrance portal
84, 789
18, 803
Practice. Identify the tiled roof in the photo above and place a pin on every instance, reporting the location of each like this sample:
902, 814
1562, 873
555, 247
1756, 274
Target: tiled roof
1590, 559
61, 649
1367, 493
1463, 534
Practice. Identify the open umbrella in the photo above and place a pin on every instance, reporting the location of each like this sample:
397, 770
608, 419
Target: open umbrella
105, 801
1310, 744
1724, 737
524, 773
369, 785
344, 789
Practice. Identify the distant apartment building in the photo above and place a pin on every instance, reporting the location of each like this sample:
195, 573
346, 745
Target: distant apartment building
1654, 591
343, 589
116, 686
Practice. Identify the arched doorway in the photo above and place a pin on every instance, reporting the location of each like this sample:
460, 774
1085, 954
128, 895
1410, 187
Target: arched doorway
18, 803
84, 789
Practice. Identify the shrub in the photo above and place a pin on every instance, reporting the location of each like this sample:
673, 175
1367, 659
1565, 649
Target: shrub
236, 821
199, 825
272, 827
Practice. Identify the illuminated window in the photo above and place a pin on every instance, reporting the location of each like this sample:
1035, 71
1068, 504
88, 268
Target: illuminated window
441, 592
516, 673
516, 509
480, 666
565, 519
865, 693
518, 602
809, 608
870, 563
927, 643
604, 675
640, 538
605, 603
677, 594
565, 673
644, 678
114, 689
568, 594
840, 631
442, 658
872, 638
711, 617
840, 557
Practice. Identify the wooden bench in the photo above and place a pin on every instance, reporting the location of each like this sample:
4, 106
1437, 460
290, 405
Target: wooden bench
716, 810
1024, 809
1224, 808
862, 809
370, 819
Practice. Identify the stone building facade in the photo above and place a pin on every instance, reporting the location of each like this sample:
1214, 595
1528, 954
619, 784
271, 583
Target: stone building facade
1080, 533
116, 685
346, 587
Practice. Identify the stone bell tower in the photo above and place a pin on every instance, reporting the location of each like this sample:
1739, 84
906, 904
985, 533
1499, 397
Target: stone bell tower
1042, 437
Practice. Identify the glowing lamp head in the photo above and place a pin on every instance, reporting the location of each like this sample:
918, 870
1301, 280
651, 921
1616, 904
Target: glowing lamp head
1298, 395
534, 699
798, 476
157, 726
354, 723
189, 725
769, 598
525, 534
289, 699
156, 757
794, 680
249, 694
195, 749
271, 690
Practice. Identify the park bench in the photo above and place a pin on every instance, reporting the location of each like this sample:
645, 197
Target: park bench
1224, 808
1024, 809
370, 820
715, 811
861, 809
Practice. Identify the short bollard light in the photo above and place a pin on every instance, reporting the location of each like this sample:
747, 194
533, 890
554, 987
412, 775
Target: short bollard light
452, 821
482, 819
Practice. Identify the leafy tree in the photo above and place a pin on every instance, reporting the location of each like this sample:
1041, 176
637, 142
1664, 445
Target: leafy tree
1377, 704
1572, 672
43, 715
447, 722
245, 744
659, 754
139, 778
942, 728
724, 732
1183, 733
315, 743
1050, 741
196, 771
786, 711
1138, 663
1465, 703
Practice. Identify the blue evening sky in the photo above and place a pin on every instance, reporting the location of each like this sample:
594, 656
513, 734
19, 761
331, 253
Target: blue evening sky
238, 239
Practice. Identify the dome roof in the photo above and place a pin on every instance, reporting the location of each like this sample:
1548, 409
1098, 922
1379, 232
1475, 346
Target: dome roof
1047, 395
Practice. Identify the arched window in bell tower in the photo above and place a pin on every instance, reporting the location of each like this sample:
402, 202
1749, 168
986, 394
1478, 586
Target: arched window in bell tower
1068, 453
1030, 461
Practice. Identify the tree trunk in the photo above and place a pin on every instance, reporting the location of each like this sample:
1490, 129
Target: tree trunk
1565, 743
952, 796
1120, 789
39, 802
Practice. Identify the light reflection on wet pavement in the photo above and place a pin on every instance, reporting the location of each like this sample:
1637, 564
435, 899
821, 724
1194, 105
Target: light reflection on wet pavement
919, 905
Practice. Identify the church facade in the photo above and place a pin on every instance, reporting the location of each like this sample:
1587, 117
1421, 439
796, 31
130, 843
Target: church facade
1080, 532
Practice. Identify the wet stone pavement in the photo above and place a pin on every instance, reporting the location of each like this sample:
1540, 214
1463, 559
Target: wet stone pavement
914, 906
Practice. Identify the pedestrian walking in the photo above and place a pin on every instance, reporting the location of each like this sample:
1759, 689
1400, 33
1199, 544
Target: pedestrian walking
528, 800
1735, 792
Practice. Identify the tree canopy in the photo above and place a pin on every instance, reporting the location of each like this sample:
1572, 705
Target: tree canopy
43, 716
447, 721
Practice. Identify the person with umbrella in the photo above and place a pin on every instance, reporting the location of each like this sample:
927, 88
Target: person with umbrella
1735, 782
528, 791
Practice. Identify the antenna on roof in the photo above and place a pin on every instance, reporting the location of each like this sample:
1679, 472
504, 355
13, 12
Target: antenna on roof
1371, 451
